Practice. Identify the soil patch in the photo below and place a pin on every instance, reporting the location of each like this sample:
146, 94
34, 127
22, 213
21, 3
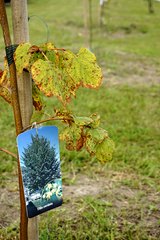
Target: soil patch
136, 205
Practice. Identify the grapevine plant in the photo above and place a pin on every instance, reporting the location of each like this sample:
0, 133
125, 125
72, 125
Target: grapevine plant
57, 72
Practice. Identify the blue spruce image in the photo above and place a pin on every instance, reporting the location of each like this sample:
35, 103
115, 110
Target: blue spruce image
41, 176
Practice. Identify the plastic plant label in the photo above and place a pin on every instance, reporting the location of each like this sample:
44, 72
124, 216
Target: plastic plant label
40, 166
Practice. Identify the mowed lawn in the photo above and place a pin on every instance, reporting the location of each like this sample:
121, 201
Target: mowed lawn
121, 199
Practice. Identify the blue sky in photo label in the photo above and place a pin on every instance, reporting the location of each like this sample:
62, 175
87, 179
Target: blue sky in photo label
49, 132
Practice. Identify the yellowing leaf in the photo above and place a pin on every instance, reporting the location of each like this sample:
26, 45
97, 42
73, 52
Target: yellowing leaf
84, 132
92, 122
5, 90
4, 75
52, 80
37, 101
85, 70
96, 120
44, 51
64, 115
72, 135
94, 136
47, 47
45, 78
59, 72
25, 56
5, 93
105, 150
22, 57
81, 121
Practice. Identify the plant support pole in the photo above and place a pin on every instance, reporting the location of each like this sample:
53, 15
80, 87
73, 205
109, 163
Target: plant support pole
150, 6
21, 35
88, 22
17, 114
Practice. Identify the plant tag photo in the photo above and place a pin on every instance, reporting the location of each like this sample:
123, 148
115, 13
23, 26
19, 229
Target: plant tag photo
39, 156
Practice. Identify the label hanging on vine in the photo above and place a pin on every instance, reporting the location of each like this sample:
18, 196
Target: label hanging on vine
40, 166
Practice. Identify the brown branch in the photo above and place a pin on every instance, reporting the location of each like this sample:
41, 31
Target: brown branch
8, 152
59, 49
17, 116
49, 119
44, 55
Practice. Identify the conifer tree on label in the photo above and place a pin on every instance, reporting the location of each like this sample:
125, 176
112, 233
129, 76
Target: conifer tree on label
41, 163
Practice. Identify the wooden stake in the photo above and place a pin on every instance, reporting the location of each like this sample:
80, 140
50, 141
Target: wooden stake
21, 34
88, 22
150, 6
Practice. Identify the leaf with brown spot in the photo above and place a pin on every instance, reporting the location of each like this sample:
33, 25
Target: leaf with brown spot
94, 136
5, 90
36, 96
84, 69
5, 93
22, 57
53, 81
33, 49
72, 136
104, 150
45, 78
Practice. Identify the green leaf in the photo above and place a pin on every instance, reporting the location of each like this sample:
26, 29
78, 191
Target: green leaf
92, 121
94, 136
46, 47
51, 56
105, 150
96, 120
81, 121
44, 51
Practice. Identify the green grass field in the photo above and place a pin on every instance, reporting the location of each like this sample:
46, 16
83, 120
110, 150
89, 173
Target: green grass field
121, 199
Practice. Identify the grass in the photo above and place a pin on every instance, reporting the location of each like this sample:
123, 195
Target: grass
124, 198
125, 111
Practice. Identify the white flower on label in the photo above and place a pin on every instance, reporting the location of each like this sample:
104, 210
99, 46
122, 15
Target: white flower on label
49, 185
48, 195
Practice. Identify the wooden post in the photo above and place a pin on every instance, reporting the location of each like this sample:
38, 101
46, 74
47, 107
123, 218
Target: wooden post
101, 6
86, 29
88, 22
150, 6
21, 34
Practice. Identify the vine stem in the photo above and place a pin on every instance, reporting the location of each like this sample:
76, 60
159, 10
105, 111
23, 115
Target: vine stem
44, 56
17, 117
59, 49
54, 49
8, 152
49, 119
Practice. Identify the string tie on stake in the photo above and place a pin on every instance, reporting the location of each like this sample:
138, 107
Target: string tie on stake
34, 125
44, 23
9, 53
